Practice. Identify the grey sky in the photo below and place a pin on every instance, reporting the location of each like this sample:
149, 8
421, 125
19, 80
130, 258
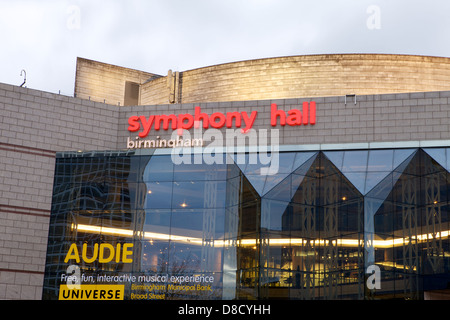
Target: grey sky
45, 37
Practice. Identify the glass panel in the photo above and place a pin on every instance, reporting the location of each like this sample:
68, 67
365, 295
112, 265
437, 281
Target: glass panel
354, 161
307, 192
286, 162
121, 169
156, 224
199, 194
250, 163
305, 168
88, 169
380, 160
336, 157
296, 181
198, 170
249, 217
248, 263
448, 159
184, 257
401, 155
384, 187
301, 158
155, 240
246, 191
90, 196
210, 221
274, 215
306, 267
438, 154
121, 196
358, 179
188, 194
154, 256
373, 178
276, 283
159, 168
273, 180
159, 195
258, 182
282, 191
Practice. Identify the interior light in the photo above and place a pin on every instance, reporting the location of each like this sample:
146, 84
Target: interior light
149, 191
184, 205
376, 243
344, 198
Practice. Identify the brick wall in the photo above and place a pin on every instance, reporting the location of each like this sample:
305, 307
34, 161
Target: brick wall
33, 126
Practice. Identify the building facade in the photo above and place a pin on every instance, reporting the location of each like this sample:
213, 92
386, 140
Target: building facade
216, 193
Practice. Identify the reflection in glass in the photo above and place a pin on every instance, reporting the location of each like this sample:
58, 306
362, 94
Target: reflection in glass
354, 161
196, 169
199, 194
380, 160
310, 231
158, 195
158, 168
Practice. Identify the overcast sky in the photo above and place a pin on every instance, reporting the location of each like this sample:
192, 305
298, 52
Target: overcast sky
45, 37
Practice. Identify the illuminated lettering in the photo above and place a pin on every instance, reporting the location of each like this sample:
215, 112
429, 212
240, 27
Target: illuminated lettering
187, 121
165, 121
294, 117
133, 122
146, 125
249, 121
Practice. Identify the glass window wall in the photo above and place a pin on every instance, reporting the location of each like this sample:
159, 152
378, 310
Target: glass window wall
353, 224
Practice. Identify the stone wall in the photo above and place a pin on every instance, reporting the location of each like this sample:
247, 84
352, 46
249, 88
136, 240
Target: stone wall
305, 76
103, 82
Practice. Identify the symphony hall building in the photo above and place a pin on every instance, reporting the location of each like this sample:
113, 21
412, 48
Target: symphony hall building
318, 177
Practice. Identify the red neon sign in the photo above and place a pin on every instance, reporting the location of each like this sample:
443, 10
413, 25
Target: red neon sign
293, 117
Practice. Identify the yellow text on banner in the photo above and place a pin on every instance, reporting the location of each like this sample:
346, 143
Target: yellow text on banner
92, 292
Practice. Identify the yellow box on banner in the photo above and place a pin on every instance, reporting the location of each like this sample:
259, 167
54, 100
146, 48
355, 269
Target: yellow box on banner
92, 292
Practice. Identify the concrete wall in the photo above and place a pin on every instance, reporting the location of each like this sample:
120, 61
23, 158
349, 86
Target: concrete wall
306, 76
33, 126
